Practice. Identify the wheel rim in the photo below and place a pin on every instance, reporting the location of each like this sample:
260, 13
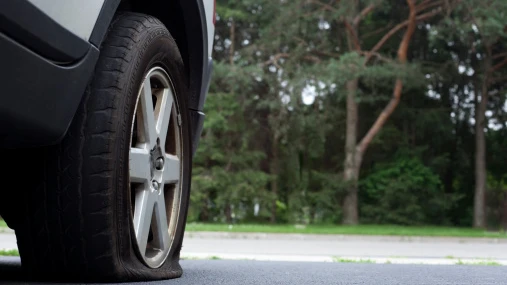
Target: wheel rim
155, 167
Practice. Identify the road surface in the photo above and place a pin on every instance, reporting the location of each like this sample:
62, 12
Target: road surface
319, 248
227, 272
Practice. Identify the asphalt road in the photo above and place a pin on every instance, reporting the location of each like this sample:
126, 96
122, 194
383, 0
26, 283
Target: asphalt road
225, 272
316, 247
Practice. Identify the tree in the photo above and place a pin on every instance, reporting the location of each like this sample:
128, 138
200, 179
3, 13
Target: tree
354, 152
309, 94
483, 25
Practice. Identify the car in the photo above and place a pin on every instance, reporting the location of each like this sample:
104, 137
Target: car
101, 110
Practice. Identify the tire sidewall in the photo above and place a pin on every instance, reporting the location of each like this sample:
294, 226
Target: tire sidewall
158, 49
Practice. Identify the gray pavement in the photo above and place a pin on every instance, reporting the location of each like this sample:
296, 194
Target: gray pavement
370, 247
299, 273
318, 248
8, 241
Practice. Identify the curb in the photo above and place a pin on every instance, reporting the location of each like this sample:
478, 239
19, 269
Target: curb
343, 259
333, 237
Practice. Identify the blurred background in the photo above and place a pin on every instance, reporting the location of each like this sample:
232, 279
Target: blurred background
328, 112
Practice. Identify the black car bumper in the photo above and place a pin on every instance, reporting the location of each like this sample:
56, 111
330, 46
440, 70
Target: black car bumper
38, 97
197, 116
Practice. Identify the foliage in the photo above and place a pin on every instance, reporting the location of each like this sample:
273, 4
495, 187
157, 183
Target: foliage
273, 143
388, 230
10, 252
403, 192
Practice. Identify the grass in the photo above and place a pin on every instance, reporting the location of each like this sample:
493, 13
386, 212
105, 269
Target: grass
348, 230
482, 262
346, 260
11, 252
213, 257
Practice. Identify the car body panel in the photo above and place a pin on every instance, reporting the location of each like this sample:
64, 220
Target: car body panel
54, 63
209, 8
77, 16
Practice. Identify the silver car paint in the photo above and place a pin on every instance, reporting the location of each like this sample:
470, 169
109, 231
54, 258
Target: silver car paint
77, 16
209, 9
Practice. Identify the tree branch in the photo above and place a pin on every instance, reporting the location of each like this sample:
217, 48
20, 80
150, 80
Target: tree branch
498, 79
325, 53
326, 6
428, 4
499, 55
274, 59
377, 31
370, 54
498, 65
399, 27
353, 35
363, 14
398, 87
425, 2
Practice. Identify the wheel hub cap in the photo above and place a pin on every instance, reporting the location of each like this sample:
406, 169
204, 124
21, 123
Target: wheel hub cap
155, 168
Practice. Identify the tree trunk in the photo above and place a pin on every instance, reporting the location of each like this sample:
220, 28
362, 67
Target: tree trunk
204, 215
504, 211
228, 213
480, 159
350, 213
275, 170
232, 33
354, 154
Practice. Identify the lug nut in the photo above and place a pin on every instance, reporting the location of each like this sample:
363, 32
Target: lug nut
159, 163
155, 185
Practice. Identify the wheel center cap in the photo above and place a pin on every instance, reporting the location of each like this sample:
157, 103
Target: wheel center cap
156, 163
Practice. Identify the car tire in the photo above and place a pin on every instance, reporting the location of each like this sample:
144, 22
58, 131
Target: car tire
98, 214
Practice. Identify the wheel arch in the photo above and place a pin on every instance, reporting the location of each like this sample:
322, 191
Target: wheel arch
186, 21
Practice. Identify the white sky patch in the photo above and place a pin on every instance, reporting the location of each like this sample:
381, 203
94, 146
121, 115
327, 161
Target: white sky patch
333, 88
474, 27
324, 25
432, 93
285, 99
308, 94
227, 43
494, 125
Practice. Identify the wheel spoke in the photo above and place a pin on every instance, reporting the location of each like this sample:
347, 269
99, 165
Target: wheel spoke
159, 226
171, 169
152, 166
164, 111
146, 116
142, 215
139, 163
